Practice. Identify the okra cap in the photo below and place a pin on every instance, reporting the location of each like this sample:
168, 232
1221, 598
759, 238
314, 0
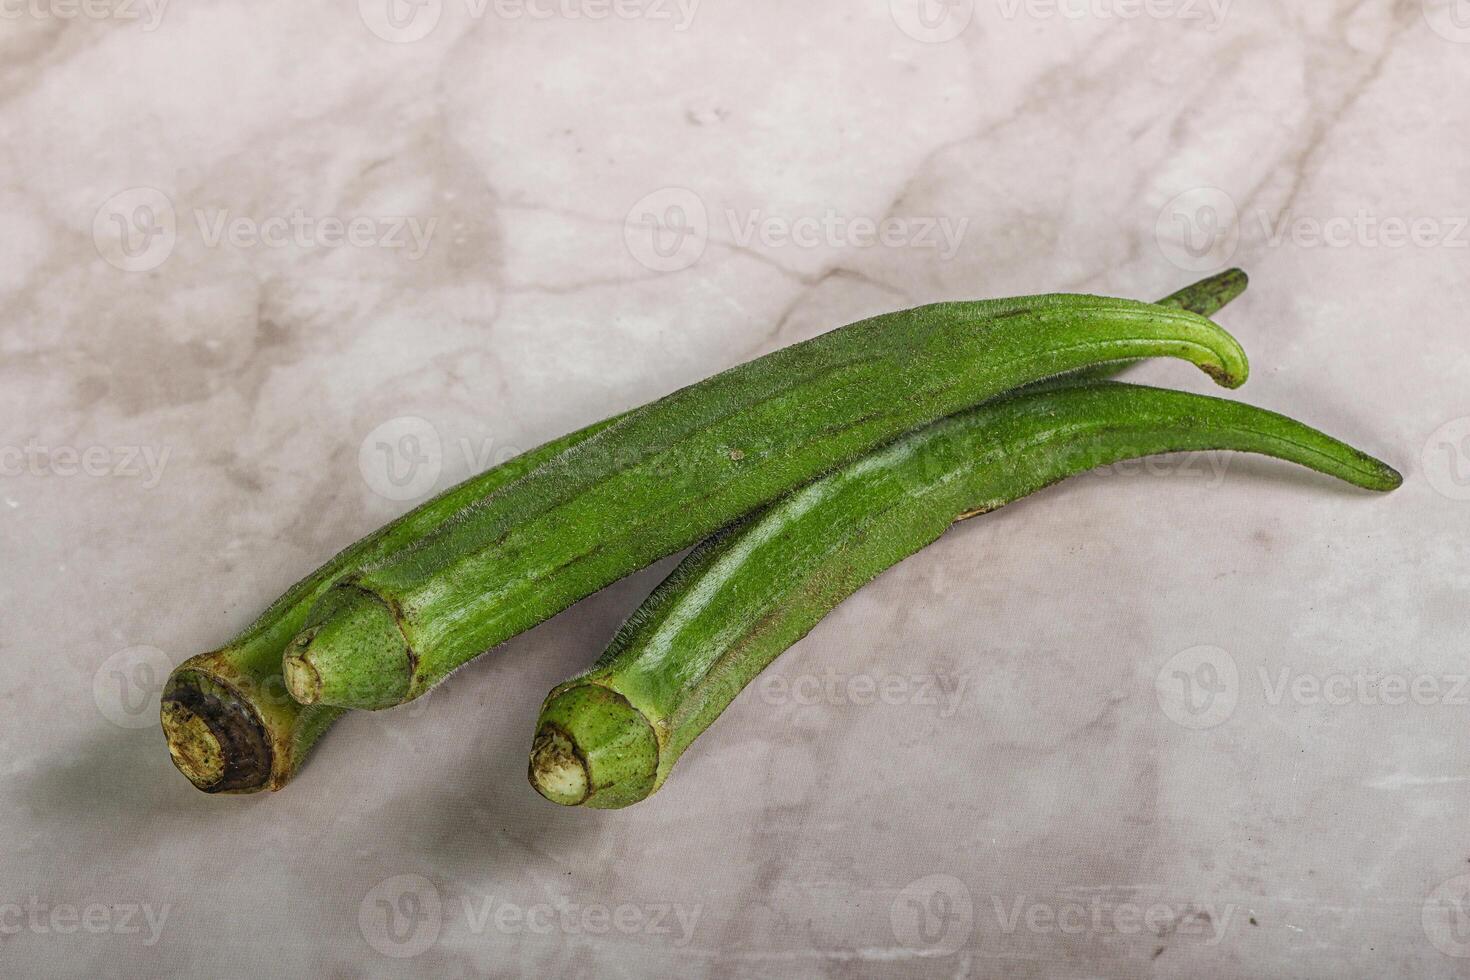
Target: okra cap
594, 749
354, 656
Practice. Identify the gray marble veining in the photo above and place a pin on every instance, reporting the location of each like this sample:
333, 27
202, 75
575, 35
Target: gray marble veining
270, 273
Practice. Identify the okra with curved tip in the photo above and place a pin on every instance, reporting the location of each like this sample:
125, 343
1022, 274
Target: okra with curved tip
671, 472
610, 737
231, 726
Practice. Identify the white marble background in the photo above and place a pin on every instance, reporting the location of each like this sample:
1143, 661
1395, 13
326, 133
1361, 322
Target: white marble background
192, 357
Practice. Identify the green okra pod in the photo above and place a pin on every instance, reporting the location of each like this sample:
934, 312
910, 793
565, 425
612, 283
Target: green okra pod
230, 725
610, 737
669, 473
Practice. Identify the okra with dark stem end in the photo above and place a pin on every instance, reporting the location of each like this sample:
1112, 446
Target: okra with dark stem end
671, 472
230, 725
609, 738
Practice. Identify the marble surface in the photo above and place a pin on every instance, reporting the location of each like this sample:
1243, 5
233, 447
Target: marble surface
1205, 718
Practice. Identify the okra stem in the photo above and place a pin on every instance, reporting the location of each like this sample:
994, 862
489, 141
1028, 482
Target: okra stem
230, 725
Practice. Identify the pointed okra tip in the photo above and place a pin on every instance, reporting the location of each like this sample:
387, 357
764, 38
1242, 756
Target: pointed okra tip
1381, 477
593, 748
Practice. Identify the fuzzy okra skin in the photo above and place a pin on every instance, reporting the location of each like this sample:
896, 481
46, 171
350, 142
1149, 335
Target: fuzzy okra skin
230, 725
669, 473
609, 738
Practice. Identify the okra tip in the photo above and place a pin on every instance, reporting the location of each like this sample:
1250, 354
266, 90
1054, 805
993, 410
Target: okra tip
1210, 295
1228, 366
1379, 476
593, 748
214, 738
353, 656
